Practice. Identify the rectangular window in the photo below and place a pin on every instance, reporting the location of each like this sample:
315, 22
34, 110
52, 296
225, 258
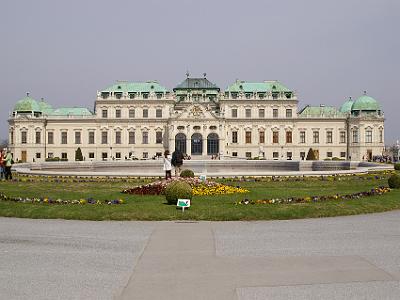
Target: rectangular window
380, 136
289, 155
118, 137
104, 113
248, 154
275, 113
329, 137
288, 113
234, 112
159, 137
145, 113
91, 137
234, 154
118, 113
158, 113
288, 137
50, 138
343, 137
145, 95
315, 137
131, 95
261, 113
275, 155
131, 137
145, 154
104, 155
104, 137
145, 137
118, 155
262, 137
248, 112
302, 155
355, 136
234, 137
64, 138
368, 136
64, 155
342, 154
77, 137
91, 155
38, 155
248, 137
275, 137
131, 113
329, 154
12, 137
302, 137
38, 137
24, 137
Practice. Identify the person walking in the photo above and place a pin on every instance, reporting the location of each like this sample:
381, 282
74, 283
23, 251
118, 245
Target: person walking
2, 167
167, 164
177, 161
8, 161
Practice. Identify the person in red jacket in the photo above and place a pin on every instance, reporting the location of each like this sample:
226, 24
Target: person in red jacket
2, 166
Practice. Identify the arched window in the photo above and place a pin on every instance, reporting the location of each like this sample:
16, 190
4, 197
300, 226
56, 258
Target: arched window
197, 144
212, 144
180, 142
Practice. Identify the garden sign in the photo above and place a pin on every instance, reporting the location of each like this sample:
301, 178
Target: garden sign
183, 203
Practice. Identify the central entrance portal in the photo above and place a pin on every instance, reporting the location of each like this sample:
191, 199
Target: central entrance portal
197, 144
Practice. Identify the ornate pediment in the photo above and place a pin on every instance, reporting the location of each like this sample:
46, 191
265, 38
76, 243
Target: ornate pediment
196, 111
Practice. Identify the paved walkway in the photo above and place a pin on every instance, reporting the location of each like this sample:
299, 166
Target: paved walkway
354, 257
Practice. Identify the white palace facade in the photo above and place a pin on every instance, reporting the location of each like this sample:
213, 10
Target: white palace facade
247, 120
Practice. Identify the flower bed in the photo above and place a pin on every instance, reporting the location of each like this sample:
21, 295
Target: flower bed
199, 188
373, 192
60, 201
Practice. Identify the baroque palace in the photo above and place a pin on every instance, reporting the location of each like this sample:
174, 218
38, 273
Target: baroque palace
247, 120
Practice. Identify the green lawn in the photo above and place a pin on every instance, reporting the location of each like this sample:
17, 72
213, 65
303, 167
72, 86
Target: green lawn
219, 208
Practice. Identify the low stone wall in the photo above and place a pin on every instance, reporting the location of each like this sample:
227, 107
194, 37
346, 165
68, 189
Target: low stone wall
207, 167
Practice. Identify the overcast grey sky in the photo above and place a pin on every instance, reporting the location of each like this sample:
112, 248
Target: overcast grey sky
65, 51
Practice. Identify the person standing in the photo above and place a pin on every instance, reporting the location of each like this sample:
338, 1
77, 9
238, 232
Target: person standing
2, 167
8, 161
177, 161
167, 164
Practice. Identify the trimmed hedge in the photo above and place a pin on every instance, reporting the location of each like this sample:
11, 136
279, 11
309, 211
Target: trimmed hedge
177, 190
394, 182
187, 173
397, 166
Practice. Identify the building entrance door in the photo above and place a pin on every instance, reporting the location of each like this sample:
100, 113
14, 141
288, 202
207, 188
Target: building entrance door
369, 154
197, 144
23, 156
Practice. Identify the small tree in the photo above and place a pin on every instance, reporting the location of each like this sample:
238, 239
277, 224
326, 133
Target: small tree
78, 154
311, 155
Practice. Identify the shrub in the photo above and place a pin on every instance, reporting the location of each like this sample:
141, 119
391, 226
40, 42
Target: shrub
311, 155
78, 155
394, 182
187, 173
177, 190
397, 166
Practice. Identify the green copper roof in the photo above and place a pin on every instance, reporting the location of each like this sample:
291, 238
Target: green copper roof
346, 107
44, 106
70, 111
27, 104
366, 103
196, 83
319, 111
251, 87
137, 87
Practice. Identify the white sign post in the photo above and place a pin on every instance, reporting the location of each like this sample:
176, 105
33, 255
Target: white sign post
183, 203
